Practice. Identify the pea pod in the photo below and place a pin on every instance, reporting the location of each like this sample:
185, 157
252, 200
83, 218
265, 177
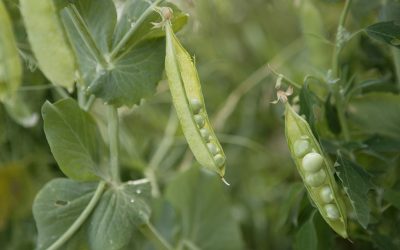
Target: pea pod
10, 64
49, 42
316, 170
188, 100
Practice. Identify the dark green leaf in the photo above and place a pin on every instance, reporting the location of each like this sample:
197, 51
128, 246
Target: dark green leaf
382, 144
309, 105
392, 196
57, 206
120, 211
74, 140
204, 211
388, 32
331, 115
376, 113
306, 237
357, 183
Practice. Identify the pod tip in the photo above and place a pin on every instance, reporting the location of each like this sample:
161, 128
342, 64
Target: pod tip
224, 181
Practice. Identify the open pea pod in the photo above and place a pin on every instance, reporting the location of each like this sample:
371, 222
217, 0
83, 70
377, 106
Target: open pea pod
49, 42
316, 170
188, 100
10, 64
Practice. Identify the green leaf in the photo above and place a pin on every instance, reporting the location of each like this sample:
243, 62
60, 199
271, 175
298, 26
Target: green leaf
306, 237
375, 113
124, 75
74, 140
120, 211
392, 196
388, 32
20, 112
357, 183
132, 10
204, 211
57, 206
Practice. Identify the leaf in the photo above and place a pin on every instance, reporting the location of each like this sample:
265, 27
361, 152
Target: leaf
203, 208
309, 106
131, 13
120, 211
10, 64
392, 196
375, 113
20, 112
74, 140
331, 115
357, 183
126, 74
57, 206
306, 237
290, 209
388, 32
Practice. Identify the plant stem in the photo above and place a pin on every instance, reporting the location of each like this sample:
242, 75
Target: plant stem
113, 137
122, 43
340, 100
81, 219
396, 58
87, 38
154, 236
89, 103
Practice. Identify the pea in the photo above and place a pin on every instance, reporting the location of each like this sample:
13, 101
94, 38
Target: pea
196, 105
188, 101
301, 147
199, 120
312, 162
332, 211
326, 194
316, 179
49, 41
316, 171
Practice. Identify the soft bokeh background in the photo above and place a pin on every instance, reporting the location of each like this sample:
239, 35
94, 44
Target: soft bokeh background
233, 41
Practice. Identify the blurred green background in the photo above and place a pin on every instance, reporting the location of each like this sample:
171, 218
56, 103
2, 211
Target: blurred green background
233, 41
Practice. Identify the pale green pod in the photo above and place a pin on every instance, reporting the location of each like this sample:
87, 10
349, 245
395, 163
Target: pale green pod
185, 87
10, 63
301, 147
49, 42
312, 162
296, 128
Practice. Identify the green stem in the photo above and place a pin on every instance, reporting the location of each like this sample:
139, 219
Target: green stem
62, 92
83, 31
113, 137
284, 78
396, 58
339, 98
89, 103
122, 43
154, 236
81, 219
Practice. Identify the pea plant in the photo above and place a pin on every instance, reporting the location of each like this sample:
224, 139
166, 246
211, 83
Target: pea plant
106, 142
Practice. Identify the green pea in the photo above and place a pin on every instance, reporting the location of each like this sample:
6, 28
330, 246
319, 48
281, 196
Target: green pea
205, 133
332, 211
213, 148
326, 194
188, 101
199, 120
316, 179
196, 105
219, 160
301, 147
312, 162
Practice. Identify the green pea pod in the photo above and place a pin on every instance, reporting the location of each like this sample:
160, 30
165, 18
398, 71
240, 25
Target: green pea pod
188, 100
49, 42
10, 64
316, 170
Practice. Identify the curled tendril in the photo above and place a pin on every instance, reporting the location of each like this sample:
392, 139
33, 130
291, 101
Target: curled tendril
166, 14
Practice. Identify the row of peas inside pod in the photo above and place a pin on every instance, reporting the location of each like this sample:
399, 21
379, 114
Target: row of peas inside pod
316, 171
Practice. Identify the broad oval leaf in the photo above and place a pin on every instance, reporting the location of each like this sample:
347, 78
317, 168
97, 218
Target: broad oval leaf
10, 64
58, 204
74, 140
204, 211
120, 211
388, 32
